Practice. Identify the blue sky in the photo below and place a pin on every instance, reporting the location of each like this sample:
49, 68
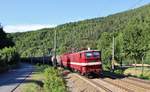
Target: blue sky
45, 13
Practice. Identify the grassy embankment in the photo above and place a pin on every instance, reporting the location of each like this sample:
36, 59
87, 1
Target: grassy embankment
44, 79
132, 71
138, 72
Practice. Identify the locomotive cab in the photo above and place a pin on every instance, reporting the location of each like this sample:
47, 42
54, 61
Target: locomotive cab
92, 60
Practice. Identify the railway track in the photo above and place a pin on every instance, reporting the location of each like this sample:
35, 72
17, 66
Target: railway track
139, 80
132, 78
118, 84
98, 86
115, 84
111, 86
135, 84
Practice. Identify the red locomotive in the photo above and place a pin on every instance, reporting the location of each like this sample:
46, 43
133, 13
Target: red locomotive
85, 62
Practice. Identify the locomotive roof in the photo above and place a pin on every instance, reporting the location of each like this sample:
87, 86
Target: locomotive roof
88, 50
81, 52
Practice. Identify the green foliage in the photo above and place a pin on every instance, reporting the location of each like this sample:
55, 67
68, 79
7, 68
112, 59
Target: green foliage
118, 71
8, 56
119, 52
4, 40
41, 68
54, 82
104, 44
147, 58
136, 39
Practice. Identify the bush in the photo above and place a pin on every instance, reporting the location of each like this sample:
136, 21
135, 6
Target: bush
119, 71
8, 57
54, 82
107, 65
41, 67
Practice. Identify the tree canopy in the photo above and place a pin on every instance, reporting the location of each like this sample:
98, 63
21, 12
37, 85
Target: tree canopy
4, 40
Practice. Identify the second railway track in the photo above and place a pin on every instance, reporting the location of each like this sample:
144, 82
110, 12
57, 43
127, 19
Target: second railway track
135, 81
133, 84
108, 84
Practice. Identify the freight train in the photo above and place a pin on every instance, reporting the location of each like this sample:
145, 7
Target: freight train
85, 62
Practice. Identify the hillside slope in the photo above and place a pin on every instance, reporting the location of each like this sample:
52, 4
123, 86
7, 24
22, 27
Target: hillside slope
95, 33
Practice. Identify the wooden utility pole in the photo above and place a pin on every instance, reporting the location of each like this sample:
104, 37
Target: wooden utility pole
43, 58
31, 58
113, 54
55, 46
142, 64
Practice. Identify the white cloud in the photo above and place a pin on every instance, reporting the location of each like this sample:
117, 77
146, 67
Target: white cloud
24, 28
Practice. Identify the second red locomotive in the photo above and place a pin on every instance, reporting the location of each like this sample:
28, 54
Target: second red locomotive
85, 62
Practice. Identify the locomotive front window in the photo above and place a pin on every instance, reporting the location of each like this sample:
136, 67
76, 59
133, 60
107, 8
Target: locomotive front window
96, 54
88, 54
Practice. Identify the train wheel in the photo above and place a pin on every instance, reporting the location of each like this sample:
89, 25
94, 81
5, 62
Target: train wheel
90, 76
70, 69
78, 72
75, 70
83, 74
101, 75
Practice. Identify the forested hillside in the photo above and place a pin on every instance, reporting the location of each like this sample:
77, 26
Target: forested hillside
131, 30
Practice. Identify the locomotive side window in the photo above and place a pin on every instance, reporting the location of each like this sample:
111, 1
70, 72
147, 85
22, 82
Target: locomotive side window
88, 54
96, 54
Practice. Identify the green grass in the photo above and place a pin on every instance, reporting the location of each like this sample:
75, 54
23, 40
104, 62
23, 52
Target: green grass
31, 87
130, 72
138, 72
